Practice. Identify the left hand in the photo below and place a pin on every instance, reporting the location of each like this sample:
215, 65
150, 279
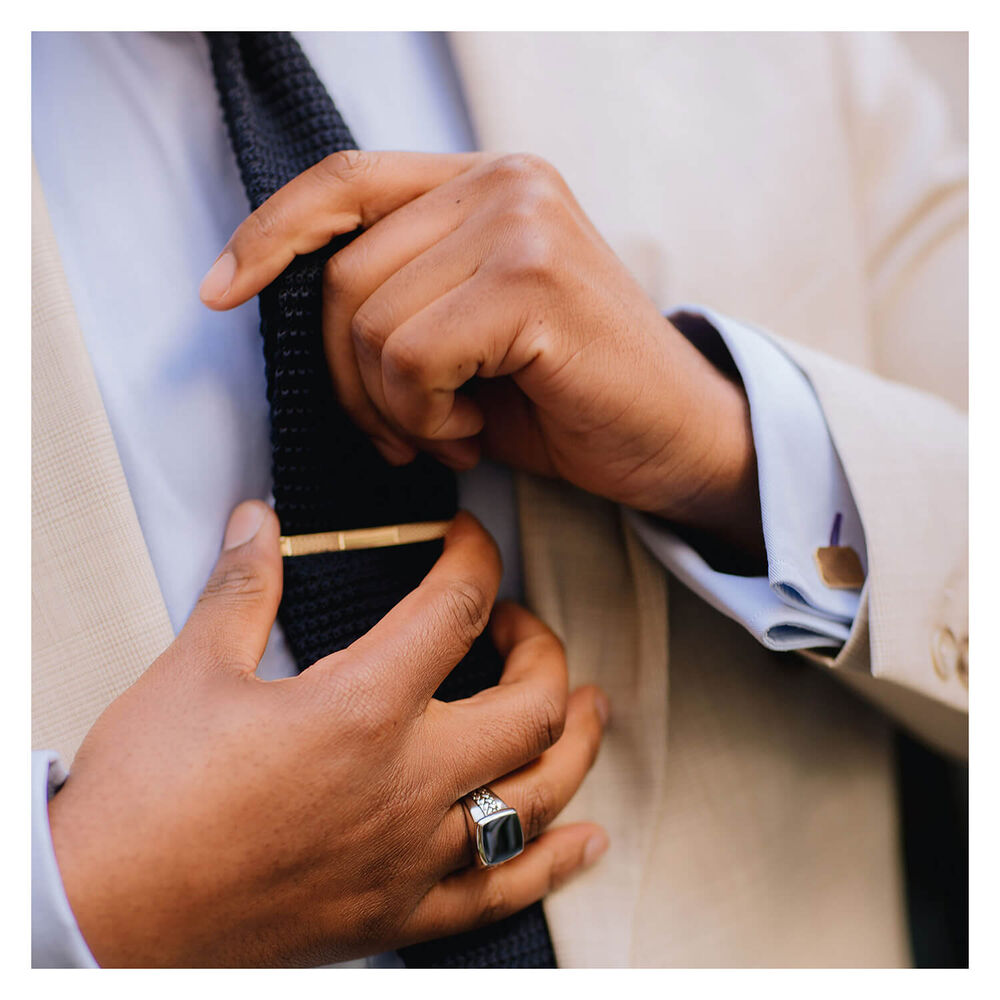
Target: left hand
474, 265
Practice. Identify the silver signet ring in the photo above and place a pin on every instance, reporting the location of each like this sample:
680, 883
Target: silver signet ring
498, 834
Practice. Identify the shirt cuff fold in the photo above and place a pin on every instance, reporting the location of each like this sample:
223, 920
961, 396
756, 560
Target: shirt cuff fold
56, 941
802, 490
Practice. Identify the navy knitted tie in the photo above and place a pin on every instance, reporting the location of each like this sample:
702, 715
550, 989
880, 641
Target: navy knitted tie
327, 475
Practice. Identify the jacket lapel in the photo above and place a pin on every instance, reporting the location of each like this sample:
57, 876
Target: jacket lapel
98, 618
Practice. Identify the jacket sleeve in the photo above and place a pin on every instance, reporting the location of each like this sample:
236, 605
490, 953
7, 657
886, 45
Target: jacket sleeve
900, 431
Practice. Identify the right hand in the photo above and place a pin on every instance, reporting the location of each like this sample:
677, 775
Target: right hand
212, 818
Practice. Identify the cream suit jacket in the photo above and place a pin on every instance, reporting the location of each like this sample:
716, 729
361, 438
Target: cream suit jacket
810, 184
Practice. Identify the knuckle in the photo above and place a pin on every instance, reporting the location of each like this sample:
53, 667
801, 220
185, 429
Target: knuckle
594, 738
530, 255
235, 580
525, 205
544, 721
523, 167
345, 164
263, 221
536, 254
334, 274
535, 199
494, 903
557, 871
366, 332
344, 273
558, 648
466, 609
488, 559
538, 808
551, 646
593, 733
405, 359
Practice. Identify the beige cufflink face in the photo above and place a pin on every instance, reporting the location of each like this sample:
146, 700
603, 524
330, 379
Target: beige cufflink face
839, 567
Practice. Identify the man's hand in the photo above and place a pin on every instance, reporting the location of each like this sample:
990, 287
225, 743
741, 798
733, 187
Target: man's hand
472, 265
212, 818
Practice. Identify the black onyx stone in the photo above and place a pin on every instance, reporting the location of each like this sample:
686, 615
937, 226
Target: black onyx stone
501, 838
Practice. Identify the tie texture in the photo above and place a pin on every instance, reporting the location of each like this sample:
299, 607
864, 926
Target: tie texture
327, 475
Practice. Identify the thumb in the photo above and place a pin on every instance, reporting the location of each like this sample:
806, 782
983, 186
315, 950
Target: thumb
230, 624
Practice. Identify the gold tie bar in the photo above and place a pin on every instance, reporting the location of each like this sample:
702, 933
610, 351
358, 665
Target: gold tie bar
362, 538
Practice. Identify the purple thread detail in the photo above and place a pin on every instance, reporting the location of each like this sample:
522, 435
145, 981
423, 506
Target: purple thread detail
835, 530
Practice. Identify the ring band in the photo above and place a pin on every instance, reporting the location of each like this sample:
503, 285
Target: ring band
498, 834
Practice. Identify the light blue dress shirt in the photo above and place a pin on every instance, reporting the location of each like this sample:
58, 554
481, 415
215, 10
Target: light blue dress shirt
143, 191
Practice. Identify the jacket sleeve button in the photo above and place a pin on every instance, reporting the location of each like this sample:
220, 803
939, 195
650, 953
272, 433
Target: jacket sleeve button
944, 653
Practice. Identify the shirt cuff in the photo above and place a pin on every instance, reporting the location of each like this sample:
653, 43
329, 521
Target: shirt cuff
802, 490
56, 941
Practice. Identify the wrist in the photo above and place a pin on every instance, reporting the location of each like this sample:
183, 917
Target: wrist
77, 872
713, 489
107, 906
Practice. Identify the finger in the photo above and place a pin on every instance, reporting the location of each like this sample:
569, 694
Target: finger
232, 620
459, 455
539, 791
417, 644
421, 281
504, 727
511, 434
511, 625
354, 273
343, 191
477, 897
473, 329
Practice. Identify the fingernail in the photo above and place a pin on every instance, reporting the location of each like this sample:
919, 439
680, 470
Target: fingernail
594, 848
603, 707
244, 523
219, 279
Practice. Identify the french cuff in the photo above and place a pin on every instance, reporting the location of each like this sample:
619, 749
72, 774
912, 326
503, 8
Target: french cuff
803, 489
56, 941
